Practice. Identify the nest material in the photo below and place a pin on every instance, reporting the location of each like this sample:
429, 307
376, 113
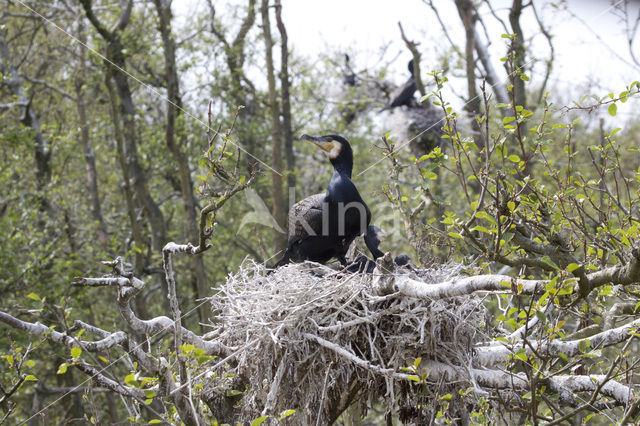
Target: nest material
277, 321
422, 125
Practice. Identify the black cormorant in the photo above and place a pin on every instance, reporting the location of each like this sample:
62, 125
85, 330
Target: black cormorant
348, 76
403, 95
372, 239
323, 226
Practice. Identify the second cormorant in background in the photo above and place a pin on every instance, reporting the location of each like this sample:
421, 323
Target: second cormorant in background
403, 95
323, 226
348, 76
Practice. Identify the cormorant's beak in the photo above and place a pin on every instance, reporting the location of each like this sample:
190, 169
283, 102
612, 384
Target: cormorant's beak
325, 143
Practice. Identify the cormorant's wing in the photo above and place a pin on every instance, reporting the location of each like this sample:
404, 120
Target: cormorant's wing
305, 218
402, 95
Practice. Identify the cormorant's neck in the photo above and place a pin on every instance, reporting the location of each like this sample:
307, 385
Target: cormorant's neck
376, 252
343, 168
373, 248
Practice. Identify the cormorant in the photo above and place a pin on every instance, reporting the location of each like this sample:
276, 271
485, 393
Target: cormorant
348, 76
403, 95
323, 226
372, 239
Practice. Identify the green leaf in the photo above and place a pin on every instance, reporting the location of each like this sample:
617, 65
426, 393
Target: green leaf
130, 379
514, 158
481, 229
259, 420
414, 378
593, 354
76, 352
33, 296
62, 368
286, 413
30, 378
613, 108
430, 176
584, 346
572, 267
29, 363
623, 96
522, 356
155, 421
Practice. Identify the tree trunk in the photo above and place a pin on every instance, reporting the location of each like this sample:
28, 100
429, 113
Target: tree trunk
474, 103
240, 87
136, 228
279, 210
29, 119
518, 51
89, 156
174, 104
137, 178
285, 96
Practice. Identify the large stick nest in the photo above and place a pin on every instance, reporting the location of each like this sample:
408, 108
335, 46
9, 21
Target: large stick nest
303, 332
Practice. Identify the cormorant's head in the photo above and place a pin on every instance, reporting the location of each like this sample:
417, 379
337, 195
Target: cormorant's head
402, 260
336, 148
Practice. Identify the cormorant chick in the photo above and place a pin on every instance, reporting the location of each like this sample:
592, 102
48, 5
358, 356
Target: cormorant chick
323, 226
372, 239
403, 95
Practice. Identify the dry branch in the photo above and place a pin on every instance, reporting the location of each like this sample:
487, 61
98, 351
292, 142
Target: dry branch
38, 329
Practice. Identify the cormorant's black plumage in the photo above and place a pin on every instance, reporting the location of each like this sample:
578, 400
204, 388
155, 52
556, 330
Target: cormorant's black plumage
321, 227
403, 95
348, 76
372, 239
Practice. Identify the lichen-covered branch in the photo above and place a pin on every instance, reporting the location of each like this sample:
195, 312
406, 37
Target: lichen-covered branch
386, 282
38, 329
492, 355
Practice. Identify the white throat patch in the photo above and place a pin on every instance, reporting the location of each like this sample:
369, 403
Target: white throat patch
335, 151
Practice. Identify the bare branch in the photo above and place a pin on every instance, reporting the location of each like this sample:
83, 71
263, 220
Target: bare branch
492, 355
108, 383
125, 14
10, 105
41, 330
413, 48
49, 86
387, 283
355, 359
